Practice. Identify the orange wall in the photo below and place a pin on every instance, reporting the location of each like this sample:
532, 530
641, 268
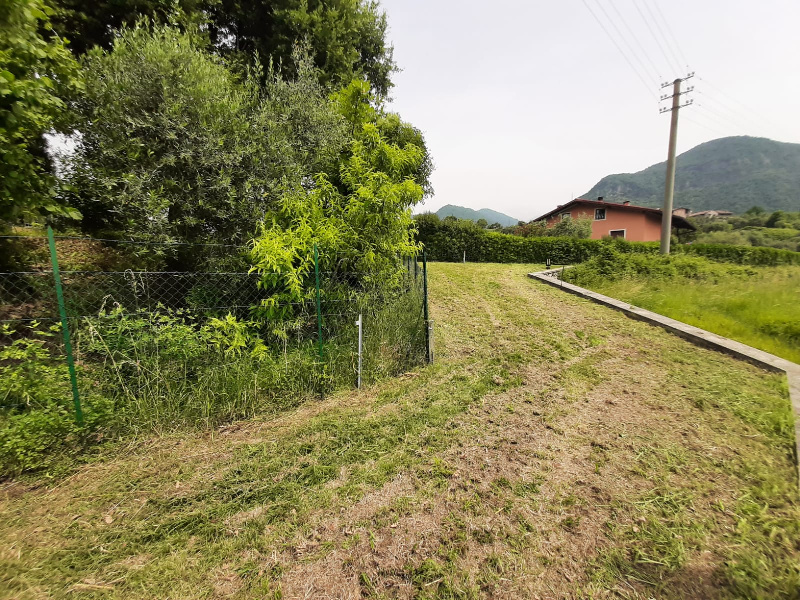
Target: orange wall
639, 226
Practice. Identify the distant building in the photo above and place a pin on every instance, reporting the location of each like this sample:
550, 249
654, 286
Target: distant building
681, 212
616, 220
711, 214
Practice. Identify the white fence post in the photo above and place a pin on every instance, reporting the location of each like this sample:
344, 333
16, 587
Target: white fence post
360, 324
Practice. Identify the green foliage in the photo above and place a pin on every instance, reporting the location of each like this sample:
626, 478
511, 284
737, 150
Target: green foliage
347, 37
174, 147
36, 417
580, 228
742, 255
756, 306
728, 174
360, 220
754, 228
447, 240
609, 265
36, 71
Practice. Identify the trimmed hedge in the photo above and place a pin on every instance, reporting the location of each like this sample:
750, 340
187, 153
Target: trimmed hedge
447, 241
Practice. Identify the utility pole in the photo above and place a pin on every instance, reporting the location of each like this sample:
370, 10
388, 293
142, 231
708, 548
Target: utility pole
669, 186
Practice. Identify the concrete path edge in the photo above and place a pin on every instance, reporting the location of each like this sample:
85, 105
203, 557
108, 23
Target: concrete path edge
697, 336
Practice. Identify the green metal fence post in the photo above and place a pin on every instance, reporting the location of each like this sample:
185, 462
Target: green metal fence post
425, 307
319, 310
62, 309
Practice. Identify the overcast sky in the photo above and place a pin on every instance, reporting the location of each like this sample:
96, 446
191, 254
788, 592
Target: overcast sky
527, 104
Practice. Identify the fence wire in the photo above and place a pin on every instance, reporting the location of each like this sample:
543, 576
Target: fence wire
182, 345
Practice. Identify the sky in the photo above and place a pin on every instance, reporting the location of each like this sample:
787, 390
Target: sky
527, 104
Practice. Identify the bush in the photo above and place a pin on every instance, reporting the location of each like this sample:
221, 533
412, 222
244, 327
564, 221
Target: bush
447, 241
37, 420
610, 265
742, 255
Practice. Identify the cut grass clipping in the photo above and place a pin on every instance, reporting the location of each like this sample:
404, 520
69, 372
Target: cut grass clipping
556, 449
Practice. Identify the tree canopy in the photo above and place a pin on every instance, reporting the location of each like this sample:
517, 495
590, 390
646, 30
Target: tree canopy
36, 72
347, 37
174, 147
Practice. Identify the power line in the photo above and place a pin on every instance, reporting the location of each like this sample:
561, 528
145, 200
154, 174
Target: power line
636, 39
635, 70
652, 33
661, 31
731, 113
623, 38
747, 109
706, 126
720, 119
669, 30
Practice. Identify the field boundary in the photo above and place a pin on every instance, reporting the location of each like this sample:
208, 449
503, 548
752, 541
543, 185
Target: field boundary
698, 336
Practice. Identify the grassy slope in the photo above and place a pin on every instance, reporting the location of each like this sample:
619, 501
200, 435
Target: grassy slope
556, 449
761, 311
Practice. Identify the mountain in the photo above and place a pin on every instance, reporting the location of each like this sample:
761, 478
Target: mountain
732, 173
461, 212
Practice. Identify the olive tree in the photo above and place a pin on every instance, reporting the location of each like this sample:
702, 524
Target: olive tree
173, 146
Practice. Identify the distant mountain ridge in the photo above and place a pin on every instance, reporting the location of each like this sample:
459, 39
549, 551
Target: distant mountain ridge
732, 173
469, 214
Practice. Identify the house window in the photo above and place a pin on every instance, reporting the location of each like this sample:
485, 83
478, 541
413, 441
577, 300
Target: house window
599, 214
565, 216
617, 233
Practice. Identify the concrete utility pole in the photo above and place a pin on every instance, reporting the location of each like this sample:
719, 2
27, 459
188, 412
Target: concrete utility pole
669, 186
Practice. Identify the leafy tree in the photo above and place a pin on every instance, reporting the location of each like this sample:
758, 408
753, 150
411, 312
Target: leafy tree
359, 105
347, 37
482, 223
36, 70
362, 222
775, 219
174, 147
580, 228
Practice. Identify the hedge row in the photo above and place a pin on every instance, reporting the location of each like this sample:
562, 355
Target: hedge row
742, 255
448, 241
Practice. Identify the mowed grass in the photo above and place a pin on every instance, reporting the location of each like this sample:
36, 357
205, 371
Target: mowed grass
556, 449
762, 310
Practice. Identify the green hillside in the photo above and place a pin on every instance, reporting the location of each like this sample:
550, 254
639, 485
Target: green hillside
462, 212
732, 173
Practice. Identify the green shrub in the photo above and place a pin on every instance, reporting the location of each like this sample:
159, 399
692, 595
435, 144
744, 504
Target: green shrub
447, 241
37, 418
609, 265
742, 255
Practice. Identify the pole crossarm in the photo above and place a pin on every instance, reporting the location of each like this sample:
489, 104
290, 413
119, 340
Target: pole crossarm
666, 84
671, 108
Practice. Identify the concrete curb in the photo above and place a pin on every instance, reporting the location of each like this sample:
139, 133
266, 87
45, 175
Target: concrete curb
698, 336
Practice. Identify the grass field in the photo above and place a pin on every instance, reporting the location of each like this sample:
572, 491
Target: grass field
762, 310
555, 450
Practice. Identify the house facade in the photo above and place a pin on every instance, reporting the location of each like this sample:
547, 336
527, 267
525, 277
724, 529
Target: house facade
616, 220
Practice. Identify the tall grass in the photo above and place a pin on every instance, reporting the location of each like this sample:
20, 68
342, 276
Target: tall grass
158, 371
758, 306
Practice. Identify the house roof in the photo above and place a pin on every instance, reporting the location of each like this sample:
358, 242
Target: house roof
677, 221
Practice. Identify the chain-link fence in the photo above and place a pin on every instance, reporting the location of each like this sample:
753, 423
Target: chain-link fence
87, 345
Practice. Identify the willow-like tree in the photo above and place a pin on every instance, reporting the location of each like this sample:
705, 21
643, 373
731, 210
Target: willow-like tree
175, 147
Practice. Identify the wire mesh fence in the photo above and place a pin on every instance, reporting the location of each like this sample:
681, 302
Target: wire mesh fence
157, 347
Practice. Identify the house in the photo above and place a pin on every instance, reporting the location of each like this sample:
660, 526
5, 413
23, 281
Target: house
681, 212
616, 220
